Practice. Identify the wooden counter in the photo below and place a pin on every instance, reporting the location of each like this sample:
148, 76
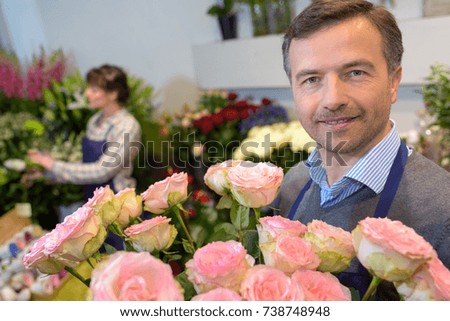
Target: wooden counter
10, 224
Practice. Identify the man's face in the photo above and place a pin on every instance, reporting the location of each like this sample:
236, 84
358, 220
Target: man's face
341, 85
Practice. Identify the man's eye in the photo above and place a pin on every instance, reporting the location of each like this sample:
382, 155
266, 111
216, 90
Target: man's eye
356, 73
311, 80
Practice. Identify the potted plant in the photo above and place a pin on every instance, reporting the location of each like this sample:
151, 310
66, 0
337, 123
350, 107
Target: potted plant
226, 17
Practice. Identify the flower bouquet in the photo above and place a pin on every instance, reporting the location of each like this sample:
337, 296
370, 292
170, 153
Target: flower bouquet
253, 257
281, 143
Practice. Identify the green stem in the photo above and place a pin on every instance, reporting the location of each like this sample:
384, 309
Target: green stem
117, 229
90, 263
372, 288
77, 275
257, 214
176, 210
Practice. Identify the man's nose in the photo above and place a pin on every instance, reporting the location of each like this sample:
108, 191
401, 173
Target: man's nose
334, 93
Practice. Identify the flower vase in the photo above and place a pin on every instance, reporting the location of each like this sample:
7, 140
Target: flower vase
279, 15
228, 26
260, 20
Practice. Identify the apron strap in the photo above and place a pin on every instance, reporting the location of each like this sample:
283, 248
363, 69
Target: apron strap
392, 182
299, 199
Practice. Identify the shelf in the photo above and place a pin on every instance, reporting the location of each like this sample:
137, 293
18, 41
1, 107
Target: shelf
257, 62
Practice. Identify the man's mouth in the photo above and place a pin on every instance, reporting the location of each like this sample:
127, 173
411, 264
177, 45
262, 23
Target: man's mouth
337, 120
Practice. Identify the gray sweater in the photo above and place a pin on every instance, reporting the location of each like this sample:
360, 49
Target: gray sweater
422, 202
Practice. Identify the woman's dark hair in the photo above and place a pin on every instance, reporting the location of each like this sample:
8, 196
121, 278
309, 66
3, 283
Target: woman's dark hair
324, 13
110, 79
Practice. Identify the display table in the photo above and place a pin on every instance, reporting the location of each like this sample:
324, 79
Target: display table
15, 281
11, 224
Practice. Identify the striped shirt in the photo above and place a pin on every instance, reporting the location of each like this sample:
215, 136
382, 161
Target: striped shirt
122, 132
371, 170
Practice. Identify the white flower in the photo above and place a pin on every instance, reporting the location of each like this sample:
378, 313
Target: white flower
15, 164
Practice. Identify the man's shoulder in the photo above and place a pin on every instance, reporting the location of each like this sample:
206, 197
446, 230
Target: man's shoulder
296, 177
296, 172
420, 168
425, 183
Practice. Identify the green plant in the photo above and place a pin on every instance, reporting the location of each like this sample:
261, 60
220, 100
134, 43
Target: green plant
64, 109
436, 96
225, 9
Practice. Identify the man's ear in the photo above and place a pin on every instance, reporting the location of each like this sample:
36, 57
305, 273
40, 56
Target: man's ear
396, 77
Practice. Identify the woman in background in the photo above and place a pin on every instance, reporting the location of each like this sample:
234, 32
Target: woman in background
111, 142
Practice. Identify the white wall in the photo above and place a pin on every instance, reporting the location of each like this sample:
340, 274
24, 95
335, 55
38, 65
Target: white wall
152, 39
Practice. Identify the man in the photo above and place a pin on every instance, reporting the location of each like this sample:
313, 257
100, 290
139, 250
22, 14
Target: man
343, 59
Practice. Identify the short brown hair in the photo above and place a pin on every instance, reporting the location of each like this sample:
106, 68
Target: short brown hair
110, 78
323, 13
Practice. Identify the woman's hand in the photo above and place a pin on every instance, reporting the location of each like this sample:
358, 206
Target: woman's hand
41, 158
30, 176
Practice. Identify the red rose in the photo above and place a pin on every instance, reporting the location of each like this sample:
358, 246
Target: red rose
241, 103
204, 124
266, 101
232, 96
230, 114
200, 196
244, 113
217, 119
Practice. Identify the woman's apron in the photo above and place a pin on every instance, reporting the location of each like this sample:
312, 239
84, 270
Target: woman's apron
92, 151
360, 280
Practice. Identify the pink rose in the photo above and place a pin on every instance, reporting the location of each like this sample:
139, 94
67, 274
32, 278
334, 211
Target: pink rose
430, 282
104, 204
265, 283
72, 241
219, 264
218, 294
321, 286
165, 194
129, 276
216, 177
131, 206
389, 249
270, 227
153, 234
332, 244
101, 196
255, 185
289, 253
37, 258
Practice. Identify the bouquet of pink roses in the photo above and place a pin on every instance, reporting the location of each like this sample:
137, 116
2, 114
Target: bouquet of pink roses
255, 258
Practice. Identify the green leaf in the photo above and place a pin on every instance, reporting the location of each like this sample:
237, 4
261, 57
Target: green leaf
224, 232
109, 248
3, 176
188, 247
188, 287
215, 10
250, 242
35, 126
225, 202
239, 216
355, 294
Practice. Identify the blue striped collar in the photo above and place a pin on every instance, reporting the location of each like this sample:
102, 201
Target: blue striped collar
371, 170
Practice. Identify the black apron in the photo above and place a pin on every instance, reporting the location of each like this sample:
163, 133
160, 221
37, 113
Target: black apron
360, 280
92, 151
